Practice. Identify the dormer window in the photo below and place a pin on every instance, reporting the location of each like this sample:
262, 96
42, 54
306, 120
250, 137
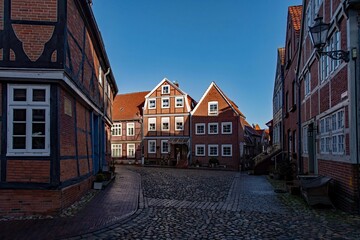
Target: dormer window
213, 108
165, 89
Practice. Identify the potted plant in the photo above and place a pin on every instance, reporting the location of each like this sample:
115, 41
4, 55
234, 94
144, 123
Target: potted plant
98, 183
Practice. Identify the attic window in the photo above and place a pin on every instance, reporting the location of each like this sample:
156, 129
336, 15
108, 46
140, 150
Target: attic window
165, 89
213, 108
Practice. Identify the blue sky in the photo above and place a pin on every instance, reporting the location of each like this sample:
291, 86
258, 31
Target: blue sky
195, 42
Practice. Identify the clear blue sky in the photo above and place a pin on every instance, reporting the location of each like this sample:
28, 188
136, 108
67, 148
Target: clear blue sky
195, 42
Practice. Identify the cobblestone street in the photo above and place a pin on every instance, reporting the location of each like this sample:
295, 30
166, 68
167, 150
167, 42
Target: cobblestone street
196, 204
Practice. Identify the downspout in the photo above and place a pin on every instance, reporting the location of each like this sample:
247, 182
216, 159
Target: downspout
300, 162
104, 110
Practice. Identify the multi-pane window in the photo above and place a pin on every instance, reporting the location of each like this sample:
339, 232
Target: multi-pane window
130, 150
199, 150
130, 129
213, 150
165, 102
152, 124
152, 103
165, 89
332, 133
179, 123
305, 139
29, 120
179, 102
213, 108
116, 150
116, 129
226, 150
226, 127
152, 146
165, 124
307, 81
327, 64
213, 128
164, 146
200, 128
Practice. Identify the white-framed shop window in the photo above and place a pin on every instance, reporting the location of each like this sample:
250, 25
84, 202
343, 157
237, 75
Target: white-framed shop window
152, 146
200, 150
28, 120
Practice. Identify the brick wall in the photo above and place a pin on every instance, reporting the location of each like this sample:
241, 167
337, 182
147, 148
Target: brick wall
34, 10
345, 193
28, 171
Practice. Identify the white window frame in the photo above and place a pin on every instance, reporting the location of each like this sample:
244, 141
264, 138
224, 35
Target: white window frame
128, 127
150, 142
212, 112
28, 105
223, 146
116, 150
165, 120
307, 84
130, 146
162, 102
151, 121
162, 146
197, 146
213, 146
223, 124
176, 102
179, 120
163, 87
196, 128
149, 103
116, 129
217, 128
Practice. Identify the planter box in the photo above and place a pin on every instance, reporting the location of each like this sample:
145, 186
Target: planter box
98, 185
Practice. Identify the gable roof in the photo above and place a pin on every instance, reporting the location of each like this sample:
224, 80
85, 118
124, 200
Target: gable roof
233, 106
170, 83
128, 106
295, 14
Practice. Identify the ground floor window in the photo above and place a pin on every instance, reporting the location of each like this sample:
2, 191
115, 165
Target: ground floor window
116, 150
152, 146
164, 146
213, 150
226, 150
28, 120
131, 150
200, 150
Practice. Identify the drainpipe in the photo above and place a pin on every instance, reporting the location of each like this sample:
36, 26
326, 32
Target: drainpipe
104, 109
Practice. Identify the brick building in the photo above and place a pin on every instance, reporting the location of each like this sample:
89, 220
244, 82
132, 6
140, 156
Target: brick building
56, 93
330, 100
126, 139
166, 118
290, 109
216, 129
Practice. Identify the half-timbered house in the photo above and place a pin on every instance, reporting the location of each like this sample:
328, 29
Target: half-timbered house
56, 93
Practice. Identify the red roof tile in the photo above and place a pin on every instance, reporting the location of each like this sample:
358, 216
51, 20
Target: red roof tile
127, 106
295, 14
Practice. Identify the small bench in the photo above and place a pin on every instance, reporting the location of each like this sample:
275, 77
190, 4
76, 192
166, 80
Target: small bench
315, 189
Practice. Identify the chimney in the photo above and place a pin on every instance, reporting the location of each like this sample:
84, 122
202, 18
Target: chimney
176, 83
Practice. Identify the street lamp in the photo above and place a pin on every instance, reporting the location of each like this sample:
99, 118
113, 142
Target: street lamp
319, 33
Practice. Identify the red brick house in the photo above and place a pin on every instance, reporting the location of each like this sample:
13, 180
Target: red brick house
56, 93
166, 118
126, 132
290, 110
216, 129
330, 100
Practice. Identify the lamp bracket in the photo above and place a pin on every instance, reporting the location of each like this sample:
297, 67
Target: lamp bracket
337, 55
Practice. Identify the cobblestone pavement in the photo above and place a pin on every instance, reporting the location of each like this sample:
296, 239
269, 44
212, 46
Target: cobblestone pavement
196, 204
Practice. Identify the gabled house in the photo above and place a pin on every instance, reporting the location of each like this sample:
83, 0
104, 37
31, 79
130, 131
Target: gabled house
291, 108
216, 129
330, 100
166, 118
126, 132
56, 93
278, 101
